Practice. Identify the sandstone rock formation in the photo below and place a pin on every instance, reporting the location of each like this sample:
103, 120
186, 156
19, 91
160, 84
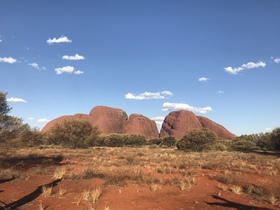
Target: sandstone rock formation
112, 120
178, 122
109, 120
139, 124
222, 132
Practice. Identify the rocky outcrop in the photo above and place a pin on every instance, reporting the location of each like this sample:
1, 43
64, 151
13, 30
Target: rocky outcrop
109, 120
112, 120
139, 124
177, 123
221, 131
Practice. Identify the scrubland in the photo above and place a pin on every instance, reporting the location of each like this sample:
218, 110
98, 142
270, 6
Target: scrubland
146, 177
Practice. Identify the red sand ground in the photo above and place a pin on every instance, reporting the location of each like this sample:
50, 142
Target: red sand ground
25, 193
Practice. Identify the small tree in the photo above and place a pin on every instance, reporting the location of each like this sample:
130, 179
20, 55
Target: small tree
275, 138
73, 133
11, 128
197, 140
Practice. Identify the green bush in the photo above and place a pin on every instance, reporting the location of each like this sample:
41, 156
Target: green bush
155, 141
169, 141
121, 140
243, 145
73, 133
197, 140
275, 138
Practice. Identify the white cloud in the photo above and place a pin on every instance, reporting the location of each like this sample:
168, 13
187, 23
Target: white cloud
59, 40
166, 92
233, 70
249, 65
277, 60
36, 66
252, 65
73, 57
31, 118
1, 40
202, 79
8, 60
78, 72
181, 106
16, 100
268, 129
220, 92
42, 120
159, 121
148, 95
68, 69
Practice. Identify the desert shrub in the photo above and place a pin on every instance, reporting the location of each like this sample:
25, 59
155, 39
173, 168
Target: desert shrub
155, 141
134, 140
197, 140
120, 140
114, 140
243, 145
275, 138
169, 141
217, 146
28, 138
73, 133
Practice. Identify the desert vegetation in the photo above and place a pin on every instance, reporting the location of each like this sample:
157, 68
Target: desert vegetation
74, 166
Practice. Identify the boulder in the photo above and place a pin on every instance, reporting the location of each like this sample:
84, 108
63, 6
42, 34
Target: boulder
139, 124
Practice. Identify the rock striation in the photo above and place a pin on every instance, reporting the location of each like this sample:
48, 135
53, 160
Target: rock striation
177, 123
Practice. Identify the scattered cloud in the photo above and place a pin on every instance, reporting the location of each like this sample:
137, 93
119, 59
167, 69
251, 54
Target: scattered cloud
252, 65
159, 120
268, 129
78, 72
31, 118
276, 60
42, 120
59, 40
36, 66
221, 92
148, 95
181, 106
233, 70
202, 79
8, 60
68, 69
249, 65
16, 100
1, 40
73, 57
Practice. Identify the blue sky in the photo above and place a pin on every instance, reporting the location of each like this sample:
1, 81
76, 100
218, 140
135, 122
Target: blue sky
219, 59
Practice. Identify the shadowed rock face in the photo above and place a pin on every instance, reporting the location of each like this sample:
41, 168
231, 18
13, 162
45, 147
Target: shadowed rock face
139, 124
177, 123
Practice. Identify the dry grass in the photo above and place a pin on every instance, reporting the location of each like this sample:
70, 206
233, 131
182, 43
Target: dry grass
155, 168
46, 191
